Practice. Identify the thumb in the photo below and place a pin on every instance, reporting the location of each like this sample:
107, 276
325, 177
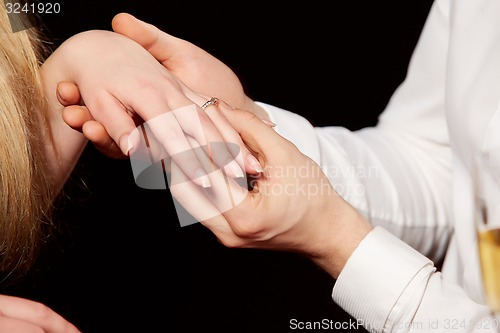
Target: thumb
68, 93
256, 134
160, 44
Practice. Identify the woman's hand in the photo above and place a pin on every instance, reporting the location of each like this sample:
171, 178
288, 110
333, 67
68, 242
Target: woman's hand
122, 86
19, 315
78, 117
291, 206
192, 65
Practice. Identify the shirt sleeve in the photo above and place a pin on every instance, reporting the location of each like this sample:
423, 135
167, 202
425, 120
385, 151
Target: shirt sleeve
390, 287
398, 174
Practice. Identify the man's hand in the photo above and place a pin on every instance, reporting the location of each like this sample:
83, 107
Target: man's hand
291, 206
198, 69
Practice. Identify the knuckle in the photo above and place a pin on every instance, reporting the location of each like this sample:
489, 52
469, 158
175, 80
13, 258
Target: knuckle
289, 151
146, 87
248, 229
42, 312
231, 242
248, 116
181, 194
37, 329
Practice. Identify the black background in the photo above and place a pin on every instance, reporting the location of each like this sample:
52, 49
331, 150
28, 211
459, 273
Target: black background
122, 263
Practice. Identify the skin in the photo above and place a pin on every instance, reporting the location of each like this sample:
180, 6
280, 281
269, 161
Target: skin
98, 62
120, 108
306, 217
320, 226
20, 315
192, 65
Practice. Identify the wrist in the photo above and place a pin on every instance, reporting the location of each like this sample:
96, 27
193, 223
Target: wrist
344, 229
63, 144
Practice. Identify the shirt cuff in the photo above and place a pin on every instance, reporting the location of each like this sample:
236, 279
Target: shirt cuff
376, 276
295, 129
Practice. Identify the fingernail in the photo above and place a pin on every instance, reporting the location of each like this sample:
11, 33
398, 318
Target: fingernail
268, 123
125, 144
254, 163
130, 143
129, 148
134, 141
202, 178
58, 94
233, 169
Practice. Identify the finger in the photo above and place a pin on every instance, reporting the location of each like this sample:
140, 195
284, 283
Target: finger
190, 196
35, 313
223, 196
259, 137
170, 118
117, 121
68, 93
165, 130
198, 124
160, 124
205, 204
14, 325
243, 156
97, 134
225, 193
160, 44
79, 118
75, 116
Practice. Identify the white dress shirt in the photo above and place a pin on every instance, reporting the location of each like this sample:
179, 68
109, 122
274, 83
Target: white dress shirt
411, 177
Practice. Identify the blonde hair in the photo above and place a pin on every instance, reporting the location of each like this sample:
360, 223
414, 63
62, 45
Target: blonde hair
25, 186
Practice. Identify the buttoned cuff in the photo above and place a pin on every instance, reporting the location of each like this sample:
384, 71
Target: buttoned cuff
376, 276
